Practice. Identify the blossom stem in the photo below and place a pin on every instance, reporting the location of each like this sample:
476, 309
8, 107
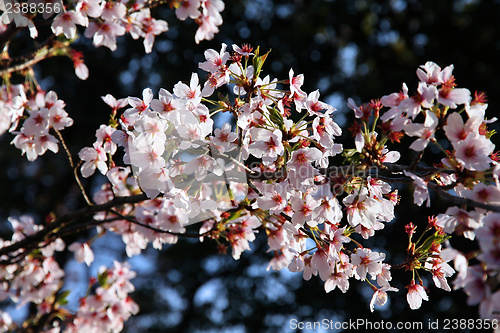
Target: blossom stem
75, 168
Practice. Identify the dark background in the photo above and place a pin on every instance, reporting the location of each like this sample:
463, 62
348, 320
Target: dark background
345, 48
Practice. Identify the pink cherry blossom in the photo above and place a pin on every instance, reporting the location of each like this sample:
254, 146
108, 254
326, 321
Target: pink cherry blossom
484, 193
103, 135
329, 210
224, 138
324, 129
449, 95
188, 8
114, 103
421, 192
296, 83
322, 262
208, 27
105, 33
215, 61
380, 296
302, 158
245, 50
337, 279
316, 107
138, 106
267, 145
474, 152
424, 131
456, 217
167, 106
337, 239
83, 253
90, 8
201, 164
393, 100
65, 23
94, 157
367, 262
145, 154
431, 73
190, 94
274, 197
113, 10
153, 28
361, 208
424, 98
37, 123
416, 293
303, 209
456, 130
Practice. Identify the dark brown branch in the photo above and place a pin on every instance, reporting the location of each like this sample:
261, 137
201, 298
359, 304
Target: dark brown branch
66, 223
459, 201
134, 221
61, 221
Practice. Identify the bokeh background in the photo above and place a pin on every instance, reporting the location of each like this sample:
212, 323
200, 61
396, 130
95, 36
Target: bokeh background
346, 48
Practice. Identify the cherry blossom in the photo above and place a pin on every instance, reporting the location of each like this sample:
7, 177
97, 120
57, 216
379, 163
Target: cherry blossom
138, 106
223, 138
367, 262
431, 73
184, 169
473, 152
424, 98
421, 193
190, 94
83, 253
189, 8
105, 33
456, 130
65, 23
416, 293
424, 131
94, 157
303, 210
380, 296
267, 145
90, 8
361, 208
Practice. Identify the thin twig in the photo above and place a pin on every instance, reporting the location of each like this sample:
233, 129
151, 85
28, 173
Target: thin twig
163, 231
75, 169
67, 218
458, 201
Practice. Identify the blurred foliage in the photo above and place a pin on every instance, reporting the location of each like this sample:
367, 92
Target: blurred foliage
346, 48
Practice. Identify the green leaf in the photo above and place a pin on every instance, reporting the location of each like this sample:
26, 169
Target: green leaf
258, 62
351, 156
61, 298
276, 117
102, 278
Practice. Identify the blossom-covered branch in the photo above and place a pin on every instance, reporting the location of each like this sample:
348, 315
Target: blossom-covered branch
274, 168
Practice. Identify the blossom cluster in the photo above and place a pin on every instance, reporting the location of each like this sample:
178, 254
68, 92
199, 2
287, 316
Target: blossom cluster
294, 210
105, 20
111, 306
38, 113
271, 168
37, 278
435, 115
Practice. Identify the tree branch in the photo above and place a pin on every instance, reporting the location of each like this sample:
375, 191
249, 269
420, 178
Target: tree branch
459, 201
67, 218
